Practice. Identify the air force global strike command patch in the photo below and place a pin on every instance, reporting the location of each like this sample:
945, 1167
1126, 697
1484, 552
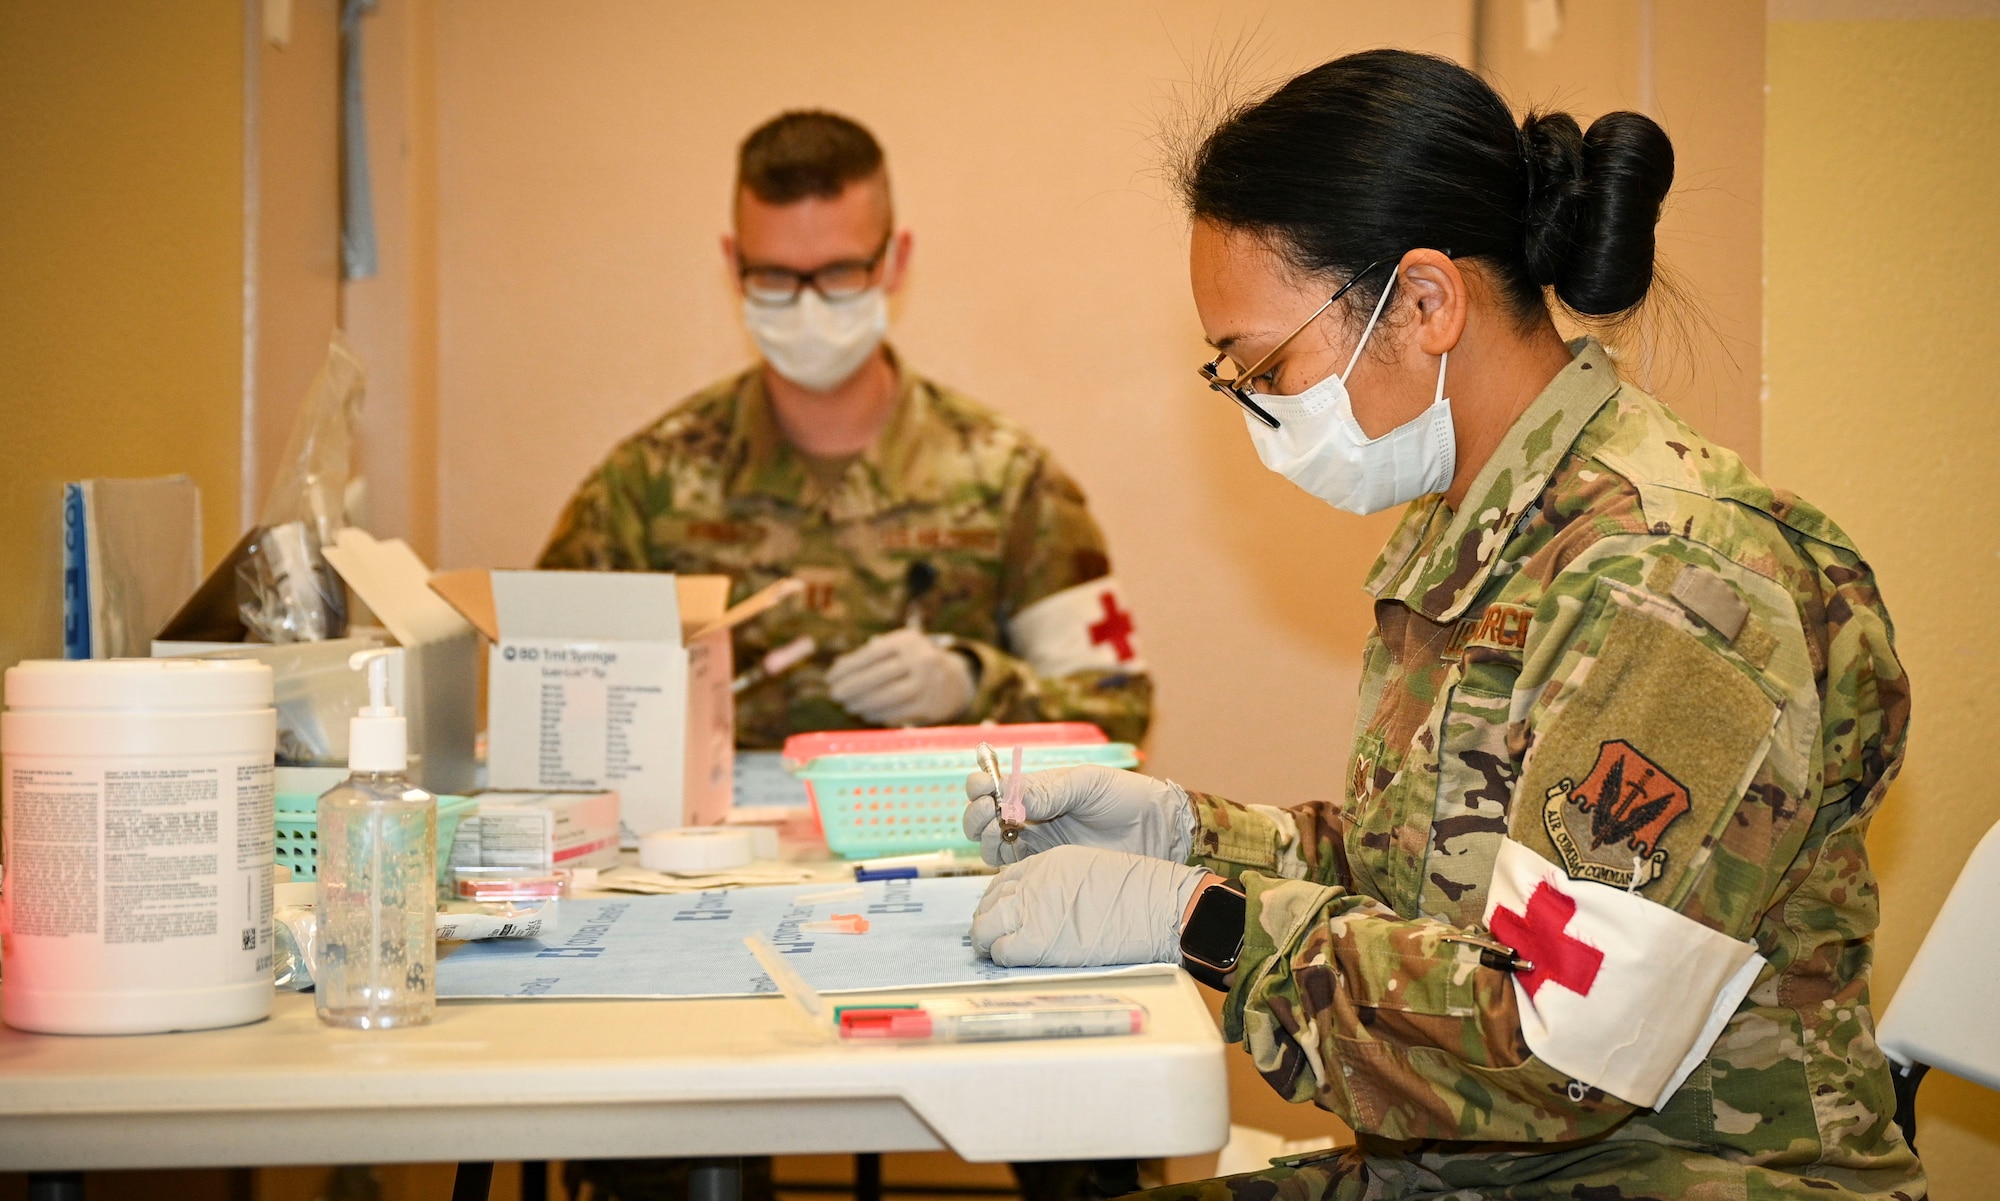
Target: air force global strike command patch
1609, 828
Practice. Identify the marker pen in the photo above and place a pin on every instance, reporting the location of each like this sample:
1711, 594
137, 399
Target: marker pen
919, 867
993, 1019
921, 872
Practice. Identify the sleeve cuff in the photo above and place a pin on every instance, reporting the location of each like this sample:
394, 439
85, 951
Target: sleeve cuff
1229, 839
1275, 916
992, 670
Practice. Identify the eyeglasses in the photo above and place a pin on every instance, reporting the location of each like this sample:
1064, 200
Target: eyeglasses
1236, 389
777, 286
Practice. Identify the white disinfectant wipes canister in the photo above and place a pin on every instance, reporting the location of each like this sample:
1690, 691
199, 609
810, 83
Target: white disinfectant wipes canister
135, 836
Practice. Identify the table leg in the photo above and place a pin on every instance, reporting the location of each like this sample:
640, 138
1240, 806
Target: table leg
868, 1176
714, 1180
535, 1180
473, 1182
55, 1186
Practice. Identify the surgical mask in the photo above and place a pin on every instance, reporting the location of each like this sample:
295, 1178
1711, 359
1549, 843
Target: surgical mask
1319, 446
818, 343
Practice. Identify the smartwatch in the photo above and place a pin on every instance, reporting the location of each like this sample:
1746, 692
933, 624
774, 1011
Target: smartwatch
1212, 940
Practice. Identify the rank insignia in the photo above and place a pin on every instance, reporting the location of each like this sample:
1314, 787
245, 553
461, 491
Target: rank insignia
1609, 828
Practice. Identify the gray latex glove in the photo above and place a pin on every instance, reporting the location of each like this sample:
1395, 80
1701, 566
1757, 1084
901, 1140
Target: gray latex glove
1087, 806
902, 678
1084, 907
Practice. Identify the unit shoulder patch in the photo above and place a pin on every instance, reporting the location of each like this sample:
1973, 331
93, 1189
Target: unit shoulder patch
1623, 809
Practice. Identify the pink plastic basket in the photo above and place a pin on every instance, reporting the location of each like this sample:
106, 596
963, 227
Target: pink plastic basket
801, 749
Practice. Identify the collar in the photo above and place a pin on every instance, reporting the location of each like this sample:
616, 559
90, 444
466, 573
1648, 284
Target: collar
899, 466
1437, 560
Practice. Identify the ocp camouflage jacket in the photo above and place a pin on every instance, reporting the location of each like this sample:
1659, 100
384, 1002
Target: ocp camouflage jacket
1622, 603
955, 516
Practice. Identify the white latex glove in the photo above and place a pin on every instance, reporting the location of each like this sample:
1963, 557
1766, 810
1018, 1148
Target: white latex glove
1083, 907
902, 678
1087, 806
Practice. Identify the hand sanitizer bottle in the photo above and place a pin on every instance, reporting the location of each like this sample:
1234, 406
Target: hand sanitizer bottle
376, 899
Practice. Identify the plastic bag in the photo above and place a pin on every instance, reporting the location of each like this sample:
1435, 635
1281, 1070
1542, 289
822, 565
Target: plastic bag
285, 590
294, 947
295, 934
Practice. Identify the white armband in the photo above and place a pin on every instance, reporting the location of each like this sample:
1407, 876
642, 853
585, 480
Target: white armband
1085, 628
1619, 992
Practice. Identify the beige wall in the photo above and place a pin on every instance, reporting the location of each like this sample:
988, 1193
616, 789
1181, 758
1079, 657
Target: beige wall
1696, 67
121, 246
585, 161
551, 178
583, 170
298, 228
124, 221
1882, 232
391, 319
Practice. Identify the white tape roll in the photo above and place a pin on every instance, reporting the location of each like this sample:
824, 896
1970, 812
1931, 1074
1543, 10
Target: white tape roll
702, 848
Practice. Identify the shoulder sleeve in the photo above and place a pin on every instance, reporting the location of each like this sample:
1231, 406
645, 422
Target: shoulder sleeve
1667, 715
1670, 720
609, 524
603, 528
1065, 612
1071, 644
1052, 542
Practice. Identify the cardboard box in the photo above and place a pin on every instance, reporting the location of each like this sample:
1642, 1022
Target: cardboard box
540, 830
440, 669
610, 681
434, 680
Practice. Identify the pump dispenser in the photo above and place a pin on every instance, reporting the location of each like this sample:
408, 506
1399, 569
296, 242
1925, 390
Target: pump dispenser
376, 895
378, 738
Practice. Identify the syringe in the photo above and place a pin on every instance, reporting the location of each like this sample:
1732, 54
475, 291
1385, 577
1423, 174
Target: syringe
1006, 798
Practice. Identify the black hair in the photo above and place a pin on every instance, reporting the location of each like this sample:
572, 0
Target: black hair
1375, 154
806, 152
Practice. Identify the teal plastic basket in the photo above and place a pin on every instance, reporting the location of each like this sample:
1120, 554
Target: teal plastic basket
912, 801
298, 832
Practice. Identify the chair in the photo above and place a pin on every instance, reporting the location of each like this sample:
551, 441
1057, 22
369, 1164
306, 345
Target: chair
1946, 1013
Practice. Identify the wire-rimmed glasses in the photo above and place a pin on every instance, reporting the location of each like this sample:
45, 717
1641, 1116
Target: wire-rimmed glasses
1236, 389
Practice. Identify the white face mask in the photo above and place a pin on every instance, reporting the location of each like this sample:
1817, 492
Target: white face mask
816, 343
1320, 447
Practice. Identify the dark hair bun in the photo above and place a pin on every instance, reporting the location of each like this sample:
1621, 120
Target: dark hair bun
1370, 156
1593, 202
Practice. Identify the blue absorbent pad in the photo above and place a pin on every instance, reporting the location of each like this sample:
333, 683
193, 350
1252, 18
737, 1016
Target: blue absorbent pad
691, 945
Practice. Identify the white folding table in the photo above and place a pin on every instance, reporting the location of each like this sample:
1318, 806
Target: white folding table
544, 1079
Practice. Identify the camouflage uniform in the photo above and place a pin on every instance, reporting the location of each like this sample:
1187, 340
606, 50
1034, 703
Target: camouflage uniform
1614, 590
950, 494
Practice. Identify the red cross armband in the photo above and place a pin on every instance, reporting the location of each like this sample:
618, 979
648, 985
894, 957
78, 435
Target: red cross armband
1615, 990
1085, 628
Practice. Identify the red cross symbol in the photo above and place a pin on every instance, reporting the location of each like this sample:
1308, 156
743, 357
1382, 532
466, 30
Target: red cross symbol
1116, 628
1539, 939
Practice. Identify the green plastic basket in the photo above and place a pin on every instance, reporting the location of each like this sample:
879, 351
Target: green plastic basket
912, 801
298, 832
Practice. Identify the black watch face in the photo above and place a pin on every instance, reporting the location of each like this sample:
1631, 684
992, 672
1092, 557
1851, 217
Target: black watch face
1214, 932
